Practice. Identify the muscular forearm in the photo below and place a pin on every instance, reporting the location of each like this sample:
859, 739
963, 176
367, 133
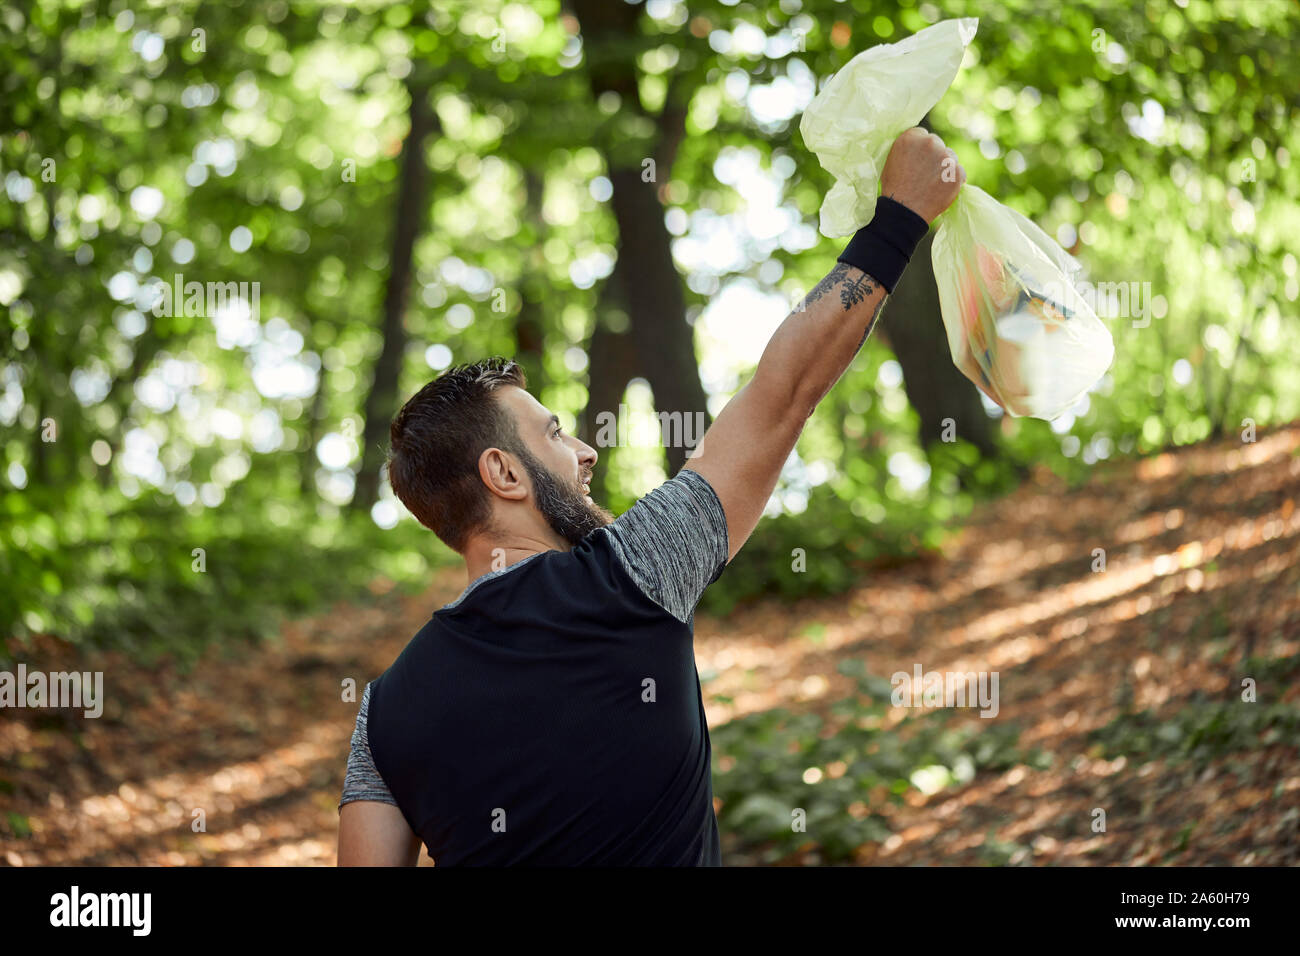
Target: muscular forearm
815, 344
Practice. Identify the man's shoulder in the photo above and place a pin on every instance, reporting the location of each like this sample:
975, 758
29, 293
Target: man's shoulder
673, 542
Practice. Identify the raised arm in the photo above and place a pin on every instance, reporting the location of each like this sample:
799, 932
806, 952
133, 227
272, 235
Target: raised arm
744, 450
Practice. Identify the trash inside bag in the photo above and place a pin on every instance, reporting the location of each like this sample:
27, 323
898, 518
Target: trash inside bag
1016, 325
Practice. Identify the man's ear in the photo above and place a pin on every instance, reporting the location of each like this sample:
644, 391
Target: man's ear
502, 474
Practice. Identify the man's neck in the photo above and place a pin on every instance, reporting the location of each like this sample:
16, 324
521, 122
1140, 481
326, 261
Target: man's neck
484, 556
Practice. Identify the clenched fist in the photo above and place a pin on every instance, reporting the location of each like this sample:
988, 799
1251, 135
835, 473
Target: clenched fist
922, 173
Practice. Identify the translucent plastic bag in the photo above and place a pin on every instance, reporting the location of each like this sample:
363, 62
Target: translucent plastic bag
1016, 325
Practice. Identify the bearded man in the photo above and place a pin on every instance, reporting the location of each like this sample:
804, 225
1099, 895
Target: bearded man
551, 715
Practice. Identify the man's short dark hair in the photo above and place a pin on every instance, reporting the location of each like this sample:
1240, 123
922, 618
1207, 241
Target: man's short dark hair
437, 438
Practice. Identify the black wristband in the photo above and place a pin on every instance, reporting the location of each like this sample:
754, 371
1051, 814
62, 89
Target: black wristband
883, 246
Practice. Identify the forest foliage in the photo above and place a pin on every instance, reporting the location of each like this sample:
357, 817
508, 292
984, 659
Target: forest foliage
171, 479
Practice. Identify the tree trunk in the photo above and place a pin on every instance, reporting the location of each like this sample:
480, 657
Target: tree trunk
656, 306
936, 389
530, 338
612, 363
651, 286
914, 330
382, 398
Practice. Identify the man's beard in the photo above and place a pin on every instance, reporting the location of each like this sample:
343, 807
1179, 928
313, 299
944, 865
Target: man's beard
563, 505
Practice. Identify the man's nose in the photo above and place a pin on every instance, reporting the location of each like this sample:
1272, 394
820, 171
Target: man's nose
586, 454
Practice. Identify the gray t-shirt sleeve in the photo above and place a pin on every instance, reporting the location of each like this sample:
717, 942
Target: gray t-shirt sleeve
673, 542
362, 780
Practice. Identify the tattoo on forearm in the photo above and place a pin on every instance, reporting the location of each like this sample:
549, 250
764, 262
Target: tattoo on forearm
852, 291
856, 290
823, 288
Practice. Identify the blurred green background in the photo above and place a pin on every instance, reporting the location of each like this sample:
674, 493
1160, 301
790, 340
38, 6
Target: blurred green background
412, 188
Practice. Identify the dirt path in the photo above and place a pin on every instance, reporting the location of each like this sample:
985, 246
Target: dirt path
1202, 572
